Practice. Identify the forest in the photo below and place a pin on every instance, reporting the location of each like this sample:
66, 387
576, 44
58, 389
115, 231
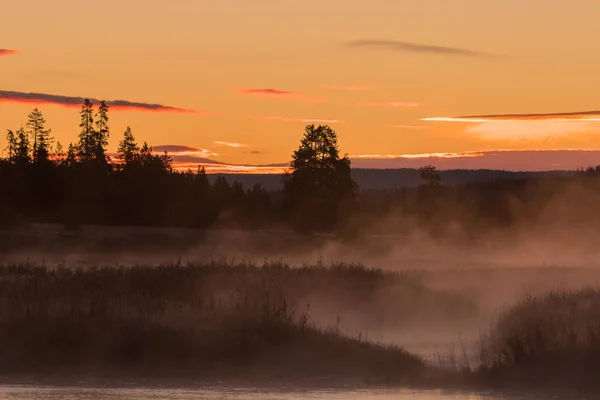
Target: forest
43, 182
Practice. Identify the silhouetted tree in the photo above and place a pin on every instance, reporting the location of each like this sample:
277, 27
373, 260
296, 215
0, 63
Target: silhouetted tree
18, 147
101, 134
430, 175
86, 145
71, 158
320, 182
36, 129
128, 148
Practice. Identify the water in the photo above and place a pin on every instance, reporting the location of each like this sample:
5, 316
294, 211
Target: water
143, 393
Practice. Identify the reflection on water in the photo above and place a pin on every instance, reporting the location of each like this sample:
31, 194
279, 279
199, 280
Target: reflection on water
37, 392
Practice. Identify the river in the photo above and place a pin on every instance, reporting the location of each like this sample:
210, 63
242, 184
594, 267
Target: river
154, 393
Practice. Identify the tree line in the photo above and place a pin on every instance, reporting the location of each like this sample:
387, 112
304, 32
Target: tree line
42, 182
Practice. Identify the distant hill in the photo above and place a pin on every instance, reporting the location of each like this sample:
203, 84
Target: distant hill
369, 179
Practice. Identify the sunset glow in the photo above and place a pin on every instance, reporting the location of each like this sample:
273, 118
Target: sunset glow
387, 79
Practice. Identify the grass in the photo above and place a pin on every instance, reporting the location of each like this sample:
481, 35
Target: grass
552, 338
202, 320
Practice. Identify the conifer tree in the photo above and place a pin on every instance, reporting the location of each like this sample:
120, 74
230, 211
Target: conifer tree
36, 129
101, 133
18, 146
11, 146
85, 147
128, 148
71, 158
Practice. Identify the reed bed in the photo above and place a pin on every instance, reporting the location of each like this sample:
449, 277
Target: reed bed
553, 337
197, 318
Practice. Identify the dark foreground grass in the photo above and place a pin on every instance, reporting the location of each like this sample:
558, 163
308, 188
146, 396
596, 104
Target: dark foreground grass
199, 321
551, 339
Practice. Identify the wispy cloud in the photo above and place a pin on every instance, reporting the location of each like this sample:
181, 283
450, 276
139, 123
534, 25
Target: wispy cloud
254, 152
391, 104
230, 144
7, 52
528, 126
530, 129
563, 116
75, 101
179, 150
410, 47
396, 126
421, 155
304, 120
281, 94
349, 88
510, 160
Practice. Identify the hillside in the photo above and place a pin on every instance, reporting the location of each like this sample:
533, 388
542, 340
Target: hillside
369, 179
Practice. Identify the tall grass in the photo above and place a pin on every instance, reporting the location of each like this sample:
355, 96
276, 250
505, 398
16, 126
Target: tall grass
554, 336
200, 317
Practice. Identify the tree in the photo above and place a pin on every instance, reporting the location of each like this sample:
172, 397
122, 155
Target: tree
11, 146
71, 158
59, 154
430, 175
18, 146
320, 182
128, 148
101, 134
86, 146
36, 129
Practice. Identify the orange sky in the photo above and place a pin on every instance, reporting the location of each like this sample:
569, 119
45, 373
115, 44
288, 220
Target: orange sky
261, 70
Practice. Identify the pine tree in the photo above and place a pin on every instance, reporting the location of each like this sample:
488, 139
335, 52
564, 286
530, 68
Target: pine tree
40, 135
128, 148
11, 146
59, 154
85, 147
71, 158
101, 133
22, 147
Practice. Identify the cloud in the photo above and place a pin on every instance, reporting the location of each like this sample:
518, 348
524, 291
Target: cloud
349, 88
409, 47
528, 126
417, 156
179, 150
213, 168
283, 94
390, 104
513, 160
229, 144
405, 126
254, 152
7, 52
304, 120
72, 101
532, 130
564, 116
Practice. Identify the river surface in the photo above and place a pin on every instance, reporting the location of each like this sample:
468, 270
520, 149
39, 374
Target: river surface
143, 393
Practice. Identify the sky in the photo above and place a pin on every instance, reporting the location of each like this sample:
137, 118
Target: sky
236, 81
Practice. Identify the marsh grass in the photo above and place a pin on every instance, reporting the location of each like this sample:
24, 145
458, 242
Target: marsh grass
554, 337
197, 318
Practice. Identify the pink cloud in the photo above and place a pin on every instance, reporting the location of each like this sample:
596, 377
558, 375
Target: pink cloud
7, 52
510, 160
281, 94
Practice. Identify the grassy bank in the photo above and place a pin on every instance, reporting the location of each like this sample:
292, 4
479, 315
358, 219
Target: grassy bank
205, 320
550, 339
